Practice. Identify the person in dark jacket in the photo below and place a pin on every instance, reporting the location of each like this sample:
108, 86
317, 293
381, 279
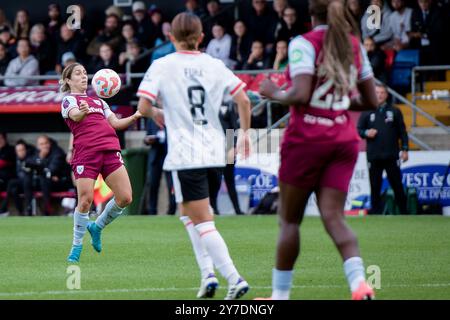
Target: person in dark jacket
24, 153
383, 128
49, 172
7, 160
156, 138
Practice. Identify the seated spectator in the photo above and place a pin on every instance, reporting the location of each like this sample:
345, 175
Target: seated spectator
142, 25
8, 40
219, 47
156, 18
356, 11
54, 21
128, 36
24, 65
214, 15
281, 57
257, 59
42, 49
68, 42
427, 33
7, 161
241, 44
290, 26
114, 10
131, 54
384, 33
163, 46
400, 25
67, 59
261, 23
109, 35
49, 173
106, 59
22, 24
377, 59
4, 60
4, 23
24, 153
193, 7
278, 7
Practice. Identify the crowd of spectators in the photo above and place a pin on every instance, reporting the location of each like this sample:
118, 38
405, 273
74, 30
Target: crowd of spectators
254, 41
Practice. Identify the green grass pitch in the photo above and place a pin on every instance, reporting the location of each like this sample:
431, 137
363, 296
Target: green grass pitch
151, 258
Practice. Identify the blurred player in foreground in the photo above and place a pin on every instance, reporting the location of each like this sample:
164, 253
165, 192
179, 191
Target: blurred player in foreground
320, 146
96, 150
191, 86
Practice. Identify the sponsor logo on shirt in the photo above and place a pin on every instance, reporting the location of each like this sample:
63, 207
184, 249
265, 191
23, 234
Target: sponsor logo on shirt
66, 104
389, 116
296, 56
93, 110
372, 117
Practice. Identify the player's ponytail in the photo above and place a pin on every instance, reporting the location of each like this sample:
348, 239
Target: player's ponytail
66, 75
338, 53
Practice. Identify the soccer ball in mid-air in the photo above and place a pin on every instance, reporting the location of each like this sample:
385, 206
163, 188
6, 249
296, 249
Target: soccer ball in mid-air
106, 83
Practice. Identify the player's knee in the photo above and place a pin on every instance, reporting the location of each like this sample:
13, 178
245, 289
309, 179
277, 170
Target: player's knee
124, 200
85, 202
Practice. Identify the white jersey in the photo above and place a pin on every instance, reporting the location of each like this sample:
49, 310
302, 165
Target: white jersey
191, 86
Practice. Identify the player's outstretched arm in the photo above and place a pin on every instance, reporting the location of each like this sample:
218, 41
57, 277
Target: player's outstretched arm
147, 110
367, 99
298, 94
122, 124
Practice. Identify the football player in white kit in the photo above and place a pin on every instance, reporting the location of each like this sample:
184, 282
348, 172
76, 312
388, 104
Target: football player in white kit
191, 86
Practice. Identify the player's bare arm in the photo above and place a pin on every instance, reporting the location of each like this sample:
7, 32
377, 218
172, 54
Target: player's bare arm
243, 143
146, 108
79, 114
122, 124
366, 100
298, 94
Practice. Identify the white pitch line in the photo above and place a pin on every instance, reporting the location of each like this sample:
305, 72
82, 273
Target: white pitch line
70, 292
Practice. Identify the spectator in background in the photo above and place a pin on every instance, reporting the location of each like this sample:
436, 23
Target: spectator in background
68, 42
241, 44
262, 22
290, 25
193, 7
142, 24
281, 57
257, 59
132, 52
384, 33
219, 47
24, 153
4, 23
400, 25
428, 33
383, 128
278, 7
109, 35
377, 59
356, 11
8, 40
49, 173
67, 59
42, 49
106, 59
128, 35
54, 21
22, 24
114, 10
4, 60
163, 46
156, 17
156, 138
24, 65
214, 16
7, 161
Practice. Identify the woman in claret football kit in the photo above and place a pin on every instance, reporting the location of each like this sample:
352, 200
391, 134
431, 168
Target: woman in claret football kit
96, 150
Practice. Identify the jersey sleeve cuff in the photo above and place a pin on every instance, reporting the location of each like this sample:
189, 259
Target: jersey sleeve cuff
66, 112
238, 88
146, 94
298, 71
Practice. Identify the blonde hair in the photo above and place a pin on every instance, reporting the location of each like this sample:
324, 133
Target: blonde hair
338, 58
67, 74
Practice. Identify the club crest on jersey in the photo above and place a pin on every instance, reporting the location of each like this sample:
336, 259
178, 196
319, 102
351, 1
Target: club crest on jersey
389, 116
97, 102
372, 117
80, 169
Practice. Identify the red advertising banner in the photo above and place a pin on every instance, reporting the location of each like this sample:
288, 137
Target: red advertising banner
30, 100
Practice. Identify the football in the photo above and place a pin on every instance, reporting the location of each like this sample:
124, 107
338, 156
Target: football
106, 83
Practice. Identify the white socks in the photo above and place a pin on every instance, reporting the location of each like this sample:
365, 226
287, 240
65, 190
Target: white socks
80, 221
201, 254
111, 212
281, 284
217, 250
354, 271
